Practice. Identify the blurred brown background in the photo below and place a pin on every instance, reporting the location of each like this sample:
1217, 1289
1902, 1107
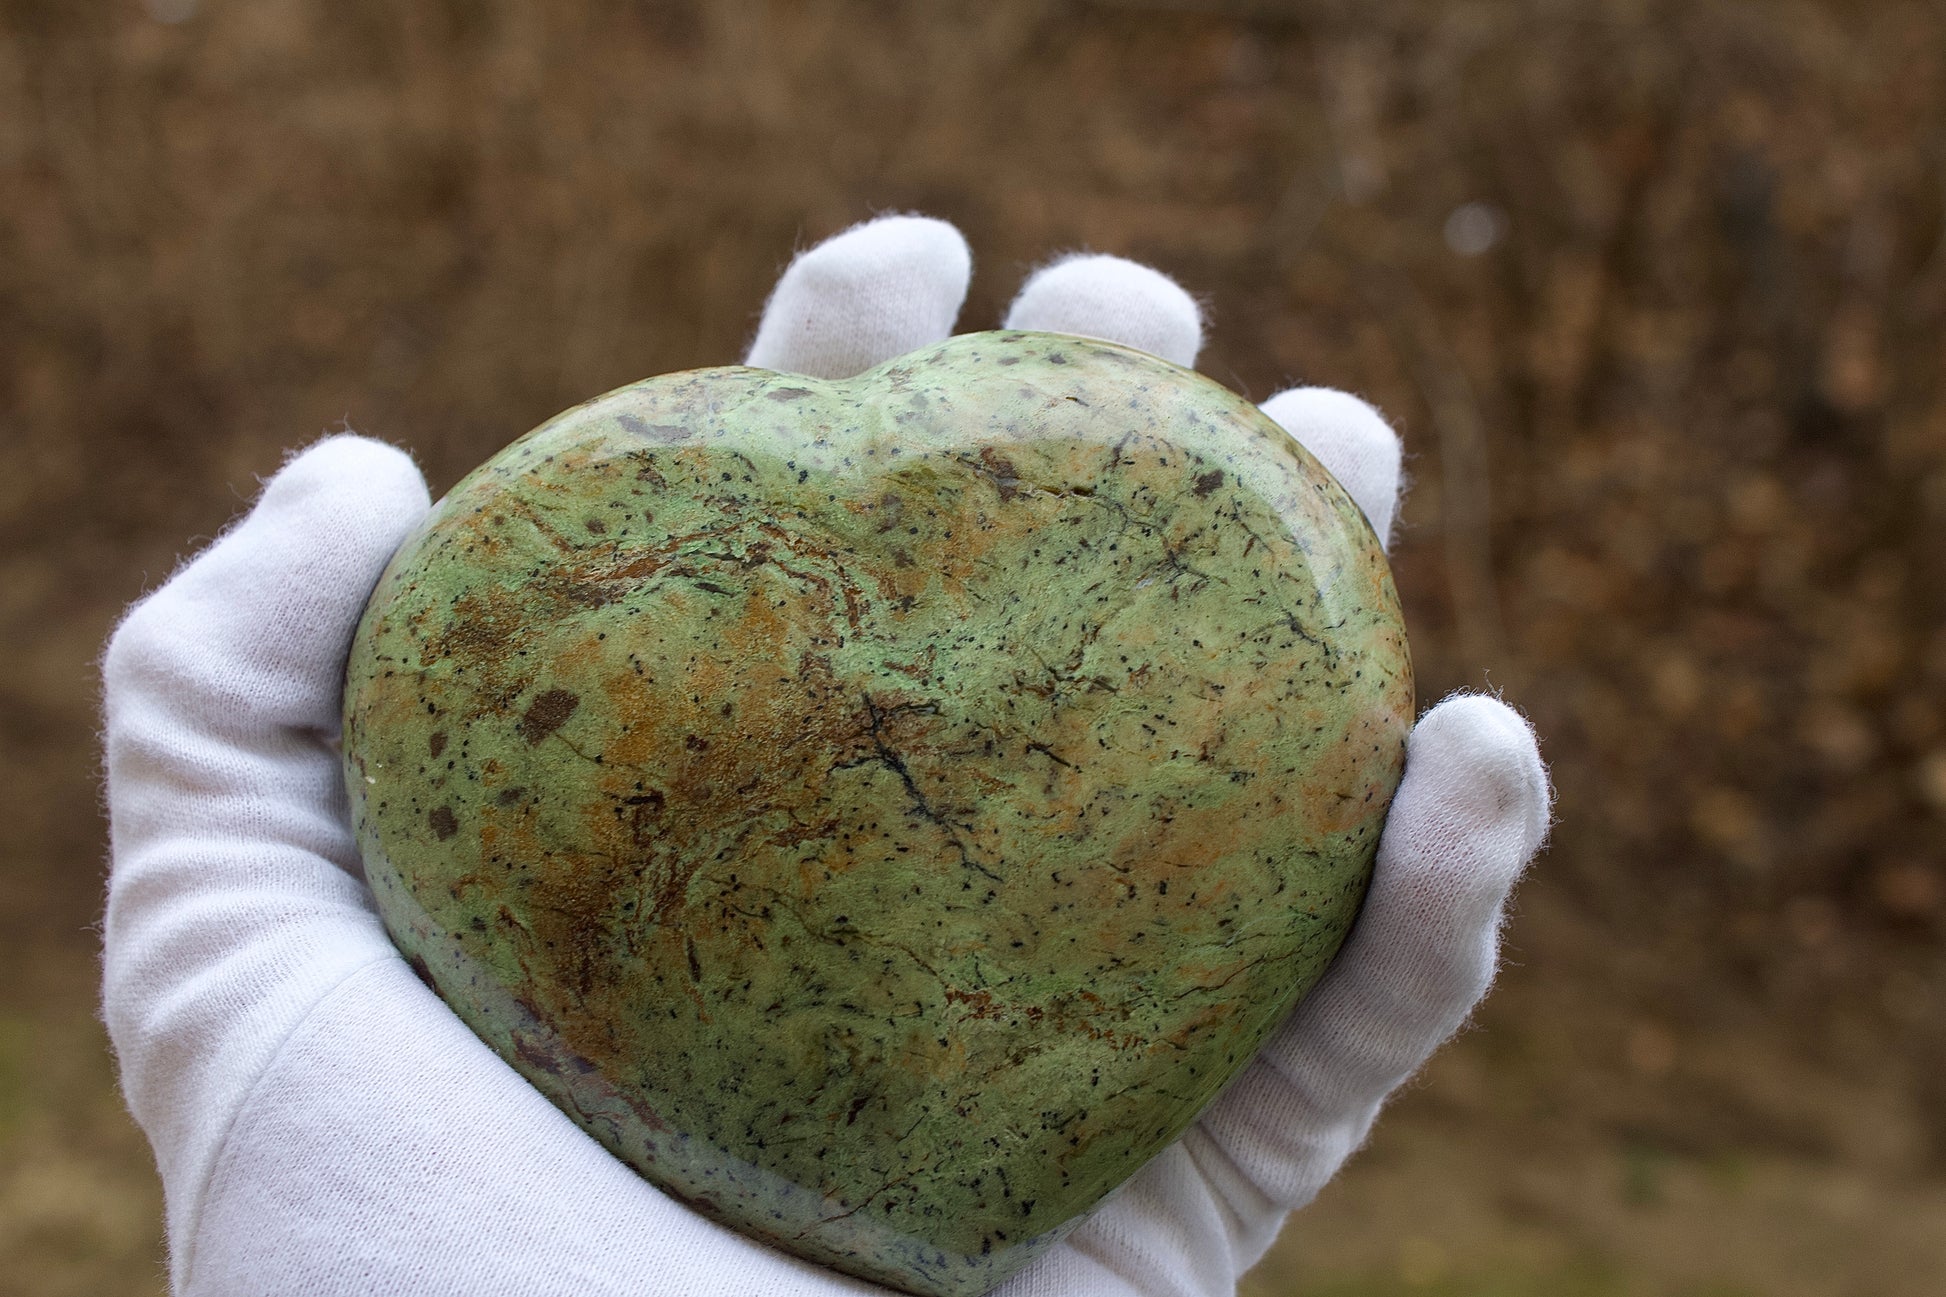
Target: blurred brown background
1653, 290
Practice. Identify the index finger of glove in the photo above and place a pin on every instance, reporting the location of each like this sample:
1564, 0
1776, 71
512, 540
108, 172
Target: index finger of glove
858, 299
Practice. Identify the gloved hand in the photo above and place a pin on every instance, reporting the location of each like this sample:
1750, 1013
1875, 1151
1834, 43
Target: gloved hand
325, 1125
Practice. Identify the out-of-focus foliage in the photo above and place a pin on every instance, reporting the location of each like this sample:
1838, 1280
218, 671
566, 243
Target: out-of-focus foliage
1654, 290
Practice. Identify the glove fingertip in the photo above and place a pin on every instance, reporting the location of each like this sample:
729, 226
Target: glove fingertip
295, 570
355, 498
1350, 438
875, 291
373, 477
1099, 296
1468, 816
1487, 758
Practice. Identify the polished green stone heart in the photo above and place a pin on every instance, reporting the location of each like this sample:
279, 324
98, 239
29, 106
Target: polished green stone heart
884, 812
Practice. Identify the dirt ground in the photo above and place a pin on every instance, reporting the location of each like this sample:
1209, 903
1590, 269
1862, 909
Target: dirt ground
1653, 290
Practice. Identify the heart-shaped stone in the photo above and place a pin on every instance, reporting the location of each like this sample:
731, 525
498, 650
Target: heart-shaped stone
884, 812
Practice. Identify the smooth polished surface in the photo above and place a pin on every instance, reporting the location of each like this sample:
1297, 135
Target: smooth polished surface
883, 812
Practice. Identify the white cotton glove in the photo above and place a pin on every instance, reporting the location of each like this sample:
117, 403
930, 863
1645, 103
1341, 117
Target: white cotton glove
324, 1125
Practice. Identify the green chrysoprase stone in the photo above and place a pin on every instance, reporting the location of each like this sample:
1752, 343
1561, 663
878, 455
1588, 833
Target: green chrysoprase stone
883, 812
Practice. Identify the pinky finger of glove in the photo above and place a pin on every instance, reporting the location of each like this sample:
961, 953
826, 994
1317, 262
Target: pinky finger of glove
1469, 815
